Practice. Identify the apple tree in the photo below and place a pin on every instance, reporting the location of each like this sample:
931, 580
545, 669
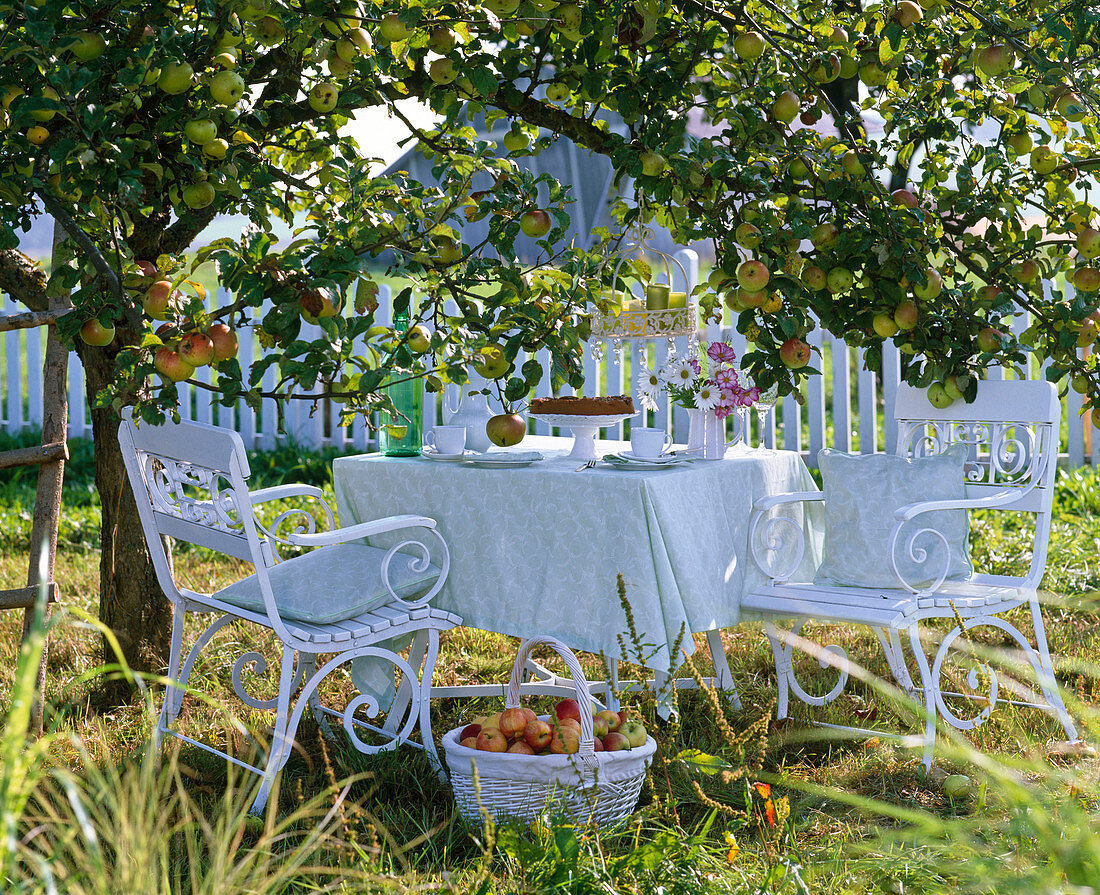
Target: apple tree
885, 170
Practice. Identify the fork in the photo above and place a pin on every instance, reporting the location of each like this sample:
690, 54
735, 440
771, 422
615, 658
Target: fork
588, 464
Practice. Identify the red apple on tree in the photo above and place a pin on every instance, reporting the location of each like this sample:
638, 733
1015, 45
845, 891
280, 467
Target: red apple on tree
794, 353
989, 339
905, 198
814, 278
170, 365
197, 349
225, 341
906, 315
158, 299
753, 275
506, 429
95, 333
535, 223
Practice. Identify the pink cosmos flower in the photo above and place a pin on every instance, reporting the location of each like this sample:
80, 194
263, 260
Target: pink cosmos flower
726, 378
695, 366
721, 352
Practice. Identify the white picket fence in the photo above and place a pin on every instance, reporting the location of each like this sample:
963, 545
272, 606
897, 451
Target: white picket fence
847, 407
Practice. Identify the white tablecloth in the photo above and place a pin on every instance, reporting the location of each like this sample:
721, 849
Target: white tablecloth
536, 550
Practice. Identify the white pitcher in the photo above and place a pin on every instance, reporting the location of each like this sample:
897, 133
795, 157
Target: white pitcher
471, 411
708, 433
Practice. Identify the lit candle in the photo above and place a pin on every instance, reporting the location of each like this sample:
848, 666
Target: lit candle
677, 300
656, 297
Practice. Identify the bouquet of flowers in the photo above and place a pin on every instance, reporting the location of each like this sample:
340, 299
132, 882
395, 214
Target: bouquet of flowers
712, 383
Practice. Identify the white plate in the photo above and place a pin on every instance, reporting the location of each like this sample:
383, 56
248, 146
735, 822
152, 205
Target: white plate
442, 458
500, 464
648, 464
634, 458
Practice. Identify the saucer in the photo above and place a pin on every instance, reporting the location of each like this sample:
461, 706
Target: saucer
429, 454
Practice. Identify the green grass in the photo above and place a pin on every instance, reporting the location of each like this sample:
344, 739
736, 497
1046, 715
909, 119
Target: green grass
103, 817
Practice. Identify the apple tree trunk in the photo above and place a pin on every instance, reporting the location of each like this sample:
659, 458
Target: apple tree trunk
131, 601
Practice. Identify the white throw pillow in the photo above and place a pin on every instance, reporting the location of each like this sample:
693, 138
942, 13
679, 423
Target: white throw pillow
331, 584
862, 491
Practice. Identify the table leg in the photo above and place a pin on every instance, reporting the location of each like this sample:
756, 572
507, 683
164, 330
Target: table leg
722, 673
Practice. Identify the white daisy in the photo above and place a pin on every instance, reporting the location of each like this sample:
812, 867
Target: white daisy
681, 372
708, 396
648, 397
650, 380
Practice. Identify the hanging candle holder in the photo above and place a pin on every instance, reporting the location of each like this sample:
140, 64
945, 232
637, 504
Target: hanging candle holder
662, 313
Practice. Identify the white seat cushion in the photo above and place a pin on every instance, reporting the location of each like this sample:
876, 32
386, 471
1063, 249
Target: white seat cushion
331, 584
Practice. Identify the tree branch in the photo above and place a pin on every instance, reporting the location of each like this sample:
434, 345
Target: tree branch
23, 280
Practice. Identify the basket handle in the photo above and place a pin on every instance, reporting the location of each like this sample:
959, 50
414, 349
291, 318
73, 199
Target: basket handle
580, 684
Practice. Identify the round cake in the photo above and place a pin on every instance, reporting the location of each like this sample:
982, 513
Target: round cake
608, 405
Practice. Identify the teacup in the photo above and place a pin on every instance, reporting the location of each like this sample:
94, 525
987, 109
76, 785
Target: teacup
647, 443
446, 439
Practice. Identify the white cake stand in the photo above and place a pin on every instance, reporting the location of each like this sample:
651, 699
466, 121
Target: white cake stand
584, 429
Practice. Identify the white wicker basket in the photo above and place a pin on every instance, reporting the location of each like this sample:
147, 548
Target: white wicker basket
599, 788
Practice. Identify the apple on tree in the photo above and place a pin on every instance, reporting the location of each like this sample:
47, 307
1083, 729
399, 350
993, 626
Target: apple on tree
224, 340
535, 222
323, 97
95, 333
794, 353
170, 365
506, 429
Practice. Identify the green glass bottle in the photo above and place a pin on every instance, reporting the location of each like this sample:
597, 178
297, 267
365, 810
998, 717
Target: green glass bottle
402, 436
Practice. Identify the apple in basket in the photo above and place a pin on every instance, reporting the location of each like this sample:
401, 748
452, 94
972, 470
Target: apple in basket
470, 730
538, 735
568, 708
565, 742
599, 726
513, 722
611, 719
615, 742
520, 747
492, 740
634, 732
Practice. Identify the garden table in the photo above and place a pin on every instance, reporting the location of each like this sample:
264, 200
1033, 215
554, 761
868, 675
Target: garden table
536, 550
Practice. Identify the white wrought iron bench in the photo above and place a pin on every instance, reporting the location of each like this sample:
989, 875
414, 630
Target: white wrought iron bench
344, 600
1011, 434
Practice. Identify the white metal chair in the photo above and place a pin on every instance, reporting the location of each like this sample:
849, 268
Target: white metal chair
1011, 432
343, 600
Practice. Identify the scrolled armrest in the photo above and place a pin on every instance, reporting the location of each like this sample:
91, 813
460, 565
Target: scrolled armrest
991, 502
773, 500
280, 492
360, 530
771, 536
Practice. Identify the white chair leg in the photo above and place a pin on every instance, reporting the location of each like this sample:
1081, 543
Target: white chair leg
430, 656
782, 670
173, 694
611, 697
928, 686
1045, 674
895, 658
282, 738
722, 672
418, 652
